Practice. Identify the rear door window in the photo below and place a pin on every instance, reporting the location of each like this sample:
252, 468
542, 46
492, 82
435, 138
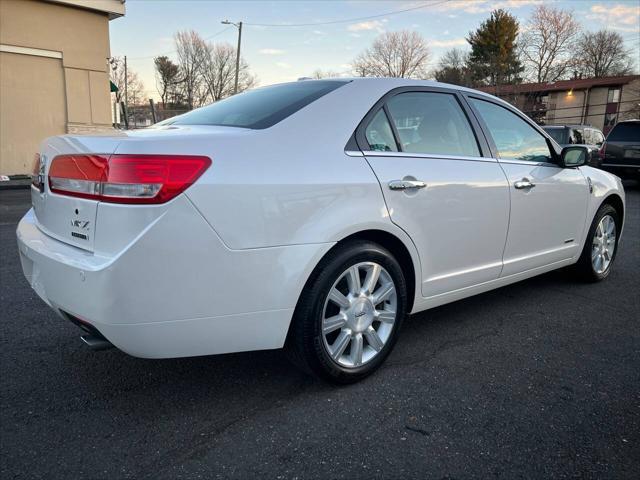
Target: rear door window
259, 108
432, 123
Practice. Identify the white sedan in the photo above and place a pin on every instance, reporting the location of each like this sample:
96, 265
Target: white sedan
312, 215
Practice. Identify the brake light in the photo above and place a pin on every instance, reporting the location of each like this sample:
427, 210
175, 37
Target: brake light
125, 178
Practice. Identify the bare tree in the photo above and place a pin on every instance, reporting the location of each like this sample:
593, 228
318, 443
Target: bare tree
167, 79
394, 54
603, 54
219, 72
192, 52
135, 87
548, 43
453, 68
320, 74
360, 66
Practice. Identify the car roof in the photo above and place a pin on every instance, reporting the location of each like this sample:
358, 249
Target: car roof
393, 82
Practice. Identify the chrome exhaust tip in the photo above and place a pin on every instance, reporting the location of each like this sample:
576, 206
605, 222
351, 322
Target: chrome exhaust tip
92, 338
96, 343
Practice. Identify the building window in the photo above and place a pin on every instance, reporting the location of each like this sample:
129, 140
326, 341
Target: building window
610, 119
614, 95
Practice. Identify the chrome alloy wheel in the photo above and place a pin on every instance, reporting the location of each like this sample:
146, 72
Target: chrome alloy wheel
604, 244
359, 314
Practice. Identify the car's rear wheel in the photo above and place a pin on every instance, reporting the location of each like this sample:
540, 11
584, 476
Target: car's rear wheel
349, 314
600, 246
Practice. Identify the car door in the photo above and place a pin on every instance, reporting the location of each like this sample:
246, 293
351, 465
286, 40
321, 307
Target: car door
440, 185
548, 203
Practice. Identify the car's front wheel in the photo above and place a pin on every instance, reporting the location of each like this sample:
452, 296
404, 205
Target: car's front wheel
349, 314
600, 246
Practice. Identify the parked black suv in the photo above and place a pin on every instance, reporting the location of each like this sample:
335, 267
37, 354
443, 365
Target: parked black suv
585, 135
620, 153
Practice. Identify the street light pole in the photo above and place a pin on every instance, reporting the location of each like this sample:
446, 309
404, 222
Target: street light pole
239, 27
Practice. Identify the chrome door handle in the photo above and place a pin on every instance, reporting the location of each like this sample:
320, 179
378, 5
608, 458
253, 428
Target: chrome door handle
405, 184
524, 183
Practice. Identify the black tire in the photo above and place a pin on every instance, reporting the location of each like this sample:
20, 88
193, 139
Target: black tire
305, 344
584, 267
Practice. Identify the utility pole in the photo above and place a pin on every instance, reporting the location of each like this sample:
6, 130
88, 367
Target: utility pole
239, 27
153, 110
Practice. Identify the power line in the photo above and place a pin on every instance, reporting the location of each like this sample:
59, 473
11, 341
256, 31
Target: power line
347, 20
174, 51
332, 22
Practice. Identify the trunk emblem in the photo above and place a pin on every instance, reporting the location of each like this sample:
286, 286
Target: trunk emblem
80, 224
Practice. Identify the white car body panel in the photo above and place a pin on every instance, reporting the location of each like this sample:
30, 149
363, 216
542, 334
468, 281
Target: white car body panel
133, 290
475, 196
220, 268
603, 185
547, 220
292, 183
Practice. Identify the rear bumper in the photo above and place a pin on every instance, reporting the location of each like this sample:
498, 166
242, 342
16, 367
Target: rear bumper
176, 291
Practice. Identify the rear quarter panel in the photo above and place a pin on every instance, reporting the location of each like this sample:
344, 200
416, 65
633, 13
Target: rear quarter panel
293, 183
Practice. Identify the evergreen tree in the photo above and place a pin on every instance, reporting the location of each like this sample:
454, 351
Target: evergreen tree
494, 52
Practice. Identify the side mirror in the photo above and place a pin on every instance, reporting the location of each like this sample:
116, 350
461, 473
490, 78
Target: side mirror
574, 156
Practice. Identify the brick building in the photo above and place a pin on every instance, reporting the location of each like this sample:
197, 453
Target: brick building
599, 102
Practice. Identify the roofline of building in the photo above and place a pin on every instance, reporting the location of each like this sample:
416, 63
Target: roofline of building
113, 8
561, 85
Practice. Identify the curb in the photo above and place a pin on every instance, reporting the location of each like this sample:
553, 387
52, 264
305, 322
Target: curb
15, 184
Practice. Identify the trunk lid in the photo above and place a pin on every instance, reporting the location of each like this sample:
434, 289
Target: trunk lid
75, 220
69, 219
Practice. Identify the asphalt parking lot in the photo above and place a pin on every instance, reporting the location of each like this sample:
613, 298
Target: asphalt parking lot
536, 380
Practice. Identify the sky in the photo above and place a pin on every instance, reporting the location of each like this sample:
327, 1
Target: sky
284, 52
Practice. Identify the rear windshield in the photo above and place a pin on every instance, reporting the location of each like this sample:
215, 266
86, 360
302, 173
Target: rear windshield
625, 132
558, 134
259, 108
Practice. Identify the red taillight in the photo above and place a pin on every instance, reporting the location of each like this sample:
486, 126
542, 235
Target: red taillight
78, 175
125, 178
